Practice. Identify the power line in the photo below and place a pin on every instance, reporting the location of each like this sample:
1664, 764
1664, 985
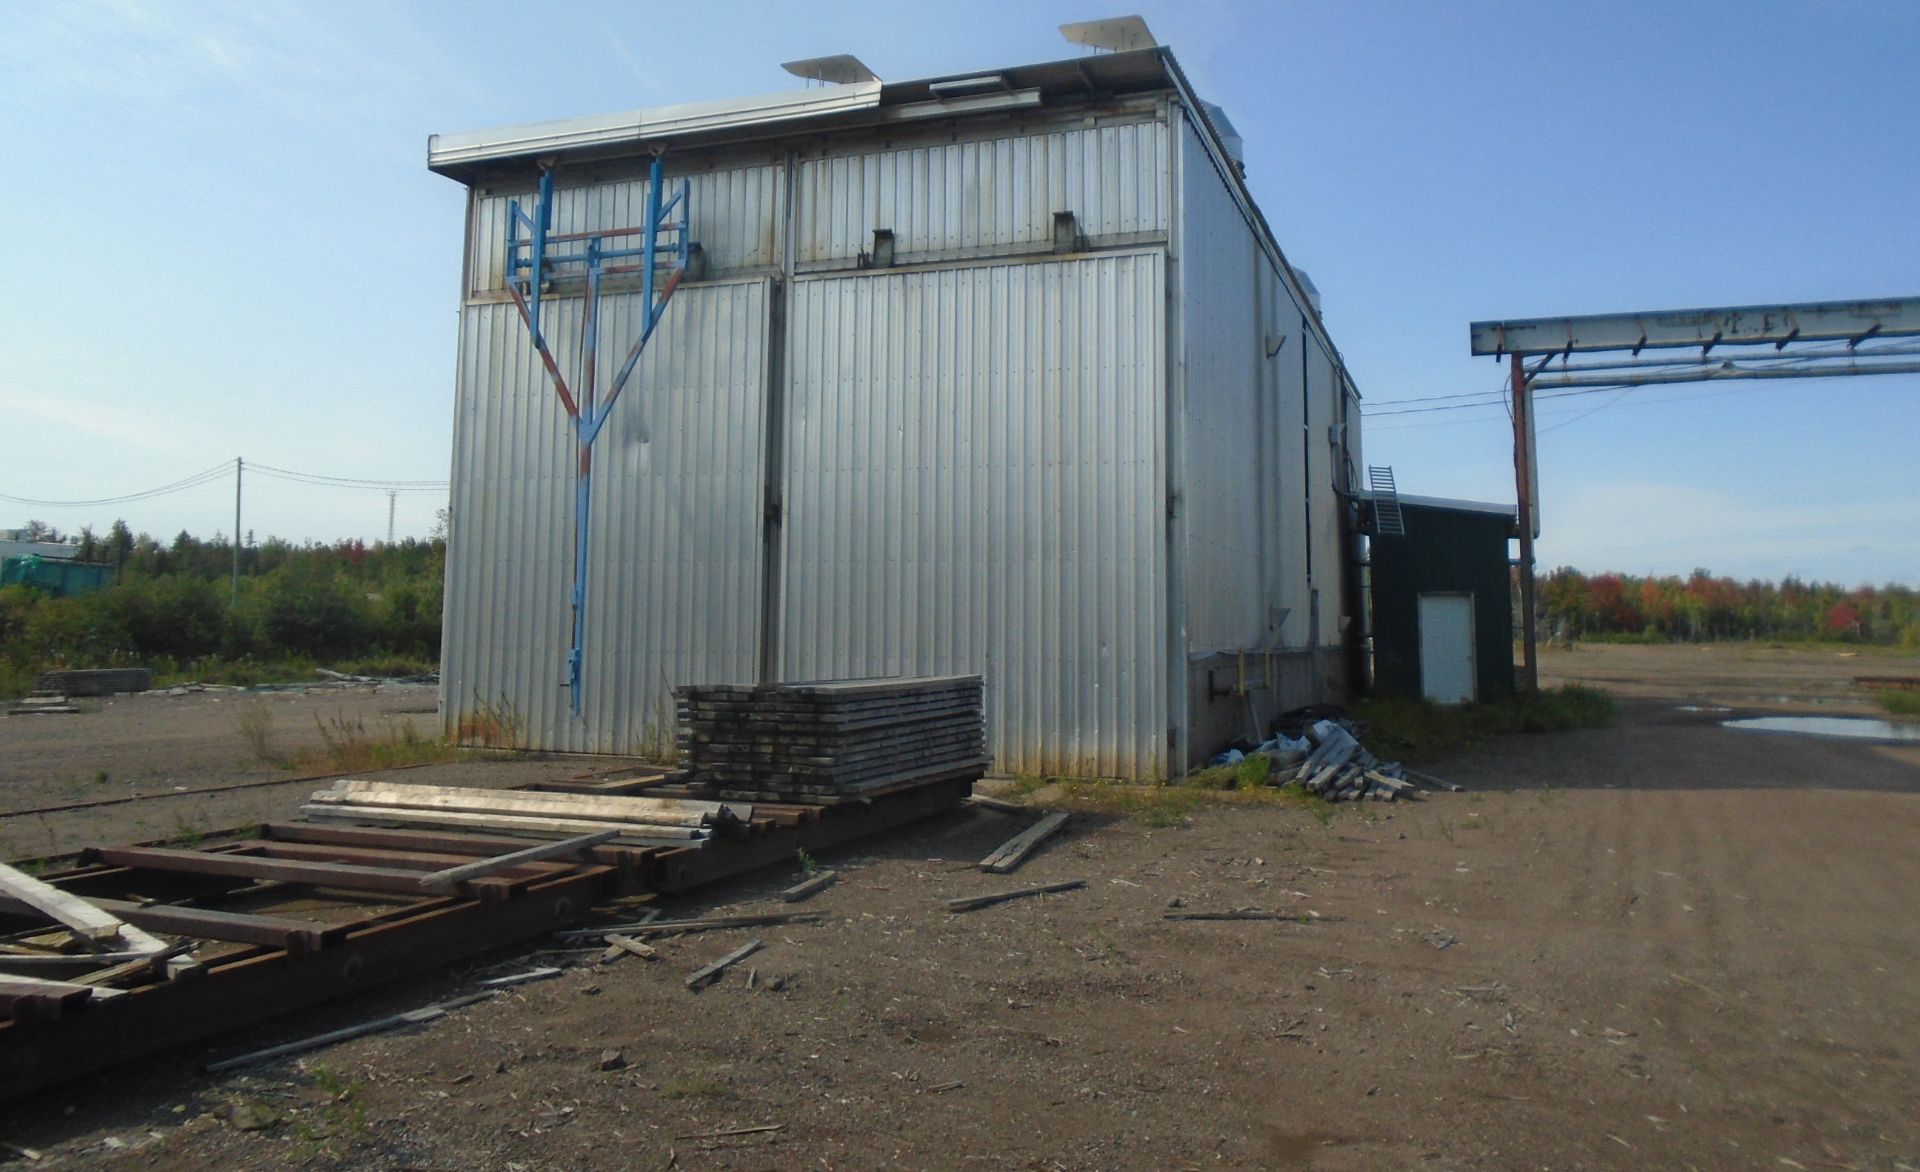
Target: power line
226, 468
217, 472
322, 479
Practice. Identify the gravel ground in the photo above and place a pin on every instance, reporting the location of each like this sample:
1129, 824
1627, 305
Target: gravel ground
1661, 945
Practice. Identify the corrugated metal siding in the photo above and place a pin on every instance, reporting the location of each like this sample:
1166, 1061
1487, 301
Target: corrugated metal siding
674, 590
973, 484
1246, 489
955, 199
1329, 556
734, 216
1221, 360
1287, 486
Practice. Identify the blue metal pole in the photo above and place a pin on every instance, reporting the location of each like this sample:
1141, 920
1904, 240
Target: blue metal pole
543, 224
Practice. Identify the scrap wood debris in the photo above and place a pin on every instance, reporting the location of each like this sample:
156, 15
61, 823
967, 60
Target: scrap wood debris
973, 902
1327, 760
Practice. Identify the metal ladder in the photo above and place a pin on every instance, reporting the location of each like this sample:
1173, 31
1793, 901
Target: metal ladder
1387, 521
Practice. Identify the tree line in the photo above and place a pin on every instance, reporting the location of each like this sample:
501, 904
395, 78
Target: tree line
173, 606
1703, 608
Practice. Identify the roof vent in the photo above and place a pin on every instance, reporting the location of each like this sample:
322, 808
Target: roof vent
968, 87
1229, 137
839, 69
1116, 34
1306, 283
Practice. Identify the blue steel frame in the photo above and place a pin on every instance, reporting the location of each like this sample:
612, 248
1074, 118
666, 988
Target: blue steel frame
540, 257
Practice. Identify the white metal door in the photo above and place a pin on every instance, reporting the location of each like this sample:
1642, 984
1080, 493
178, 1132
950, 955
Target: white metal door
1446, 648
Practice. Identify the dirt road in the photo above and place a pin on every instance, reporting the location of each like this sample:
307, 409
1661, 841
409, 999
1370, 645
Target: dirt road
1663, 945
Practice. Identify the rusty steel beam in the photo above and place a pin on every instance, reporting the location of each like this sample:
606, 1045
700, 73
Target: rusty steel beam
347, 877
255, 988
448, 842
212, 924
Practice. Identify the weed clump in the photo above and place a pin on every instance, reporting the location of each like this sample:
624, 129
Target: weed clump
1419, 729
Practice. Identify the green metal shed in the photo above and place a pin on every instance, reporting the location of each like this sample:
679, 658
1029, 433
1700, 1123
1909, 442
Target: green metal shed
1442, 602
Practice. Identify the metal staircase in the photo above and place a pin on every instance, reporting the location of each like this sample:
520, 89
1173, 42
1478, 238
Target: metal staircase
1387, 521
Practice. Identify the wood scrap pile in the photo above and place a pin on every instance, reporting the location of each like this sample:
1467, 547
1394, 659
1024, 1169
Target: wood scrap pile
42, 704
631, 820
836, 739
1339, 769
49, 972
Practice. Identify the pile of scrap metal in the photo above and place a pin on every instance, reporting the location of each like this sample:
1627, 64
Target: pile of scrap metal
122, 952
1326, 759
1338, 768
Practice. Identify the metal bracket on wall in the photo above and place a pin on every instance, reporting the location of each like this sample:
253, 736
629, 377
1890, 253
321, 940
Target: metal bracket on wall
538, 260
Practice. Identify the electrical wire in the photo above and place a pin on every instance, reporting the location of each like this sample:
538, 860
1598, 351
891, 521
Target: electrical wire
324, 480
217, 472
222, 471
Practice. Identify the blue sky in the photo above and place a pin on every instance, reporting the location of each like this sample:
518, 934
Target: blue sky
225, 240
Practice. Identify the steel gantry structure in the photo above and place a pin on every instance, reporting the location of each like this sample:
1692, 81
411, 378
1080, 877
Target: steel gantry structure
1820, 339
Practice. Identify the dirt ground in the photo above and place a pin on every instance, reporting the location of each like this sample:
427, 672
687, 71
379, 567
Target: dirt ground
1665, 944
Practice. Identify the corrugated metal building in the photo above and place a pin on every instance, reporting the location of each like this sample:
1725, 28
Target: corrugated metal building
1102, 460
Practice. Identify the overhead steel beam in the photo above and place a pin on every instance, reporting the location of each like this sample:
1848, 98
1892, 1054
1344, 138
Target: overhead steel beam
1745, 325
1839, 369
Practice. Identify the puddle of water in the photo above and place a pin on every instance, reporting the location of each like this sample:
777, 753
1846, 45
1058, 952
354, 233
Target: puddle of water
1861, 727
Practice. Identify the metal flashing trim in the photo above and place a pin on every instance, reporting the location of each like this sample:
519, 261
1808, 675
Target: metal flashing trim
1025, 86
448, 152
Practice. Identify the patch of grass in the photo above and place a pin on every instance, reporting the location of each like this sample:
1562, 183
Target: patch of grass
1024, 787
490, 724
1417, 729
1164, 804
254, 722
1251, 772
352, 745
692, 1087
1901, 703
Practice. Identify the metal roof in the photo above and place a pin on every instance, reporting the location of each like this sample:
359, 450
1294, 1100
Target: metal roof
465, 155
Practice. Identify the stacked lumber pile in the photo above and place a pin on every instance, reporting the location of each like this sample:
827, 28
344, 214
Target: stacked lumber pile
830, 740
94, 681
1340, 769
632, 820
42, 704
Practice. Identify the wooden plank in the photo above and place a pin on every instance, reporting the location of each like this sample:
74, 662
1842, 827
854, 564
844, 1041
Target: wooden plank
410, 1017
711, 973
1248, 914
618, 944
972, 902
810, 887
992, 803
452, 877
80, 917
1016, 849
503, 823
647, 811
209, 924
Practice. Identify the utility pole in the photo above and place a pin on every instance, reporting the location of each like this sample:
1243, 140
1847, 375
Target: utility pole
1523, 481
239, 467
392, 495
